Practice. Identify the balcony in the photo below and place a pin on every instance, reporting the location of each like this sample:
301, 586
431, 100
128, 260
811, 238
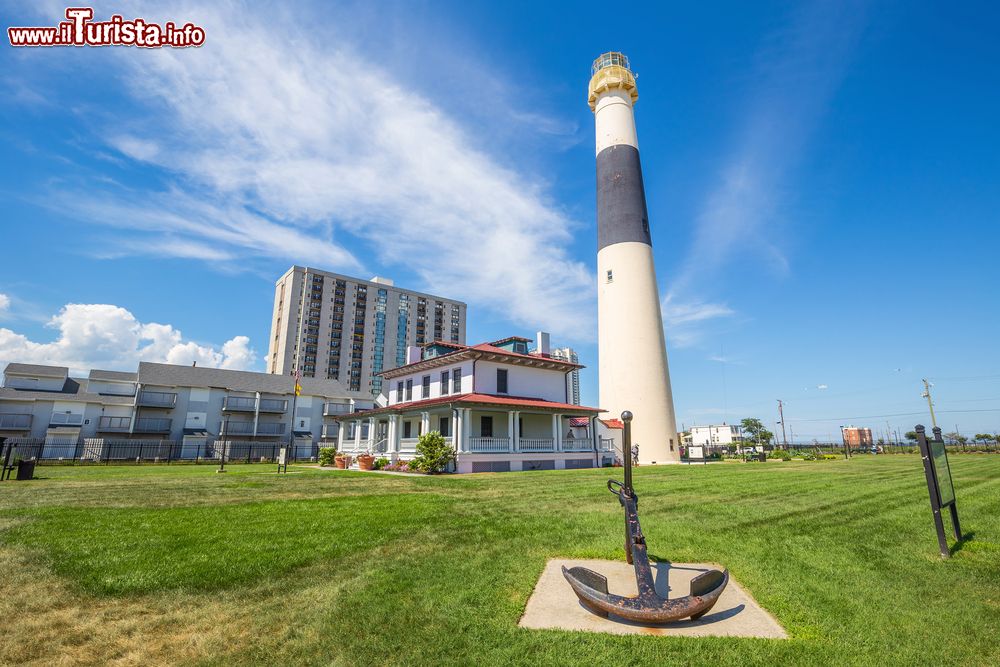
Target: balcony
489, 445
114, 424
238, 428
157, 399
270, 428
239, 404
65, 419
151, 425
15, 422
246, 428
273, 405
330, 409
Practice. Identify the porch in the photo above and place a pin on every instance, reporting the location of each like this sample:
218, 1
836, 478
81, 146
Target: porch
471, 432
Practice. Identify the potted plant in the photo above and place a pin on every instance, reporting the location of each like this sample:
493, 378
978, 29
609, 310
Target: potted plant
365, 461
342, 461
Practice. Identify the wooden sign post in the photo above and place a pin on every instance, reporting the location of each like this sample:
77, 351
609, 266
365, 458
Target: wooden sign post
939, 484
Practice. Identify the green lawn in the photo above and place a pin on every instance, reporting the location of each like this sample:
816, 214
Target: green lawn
178, 564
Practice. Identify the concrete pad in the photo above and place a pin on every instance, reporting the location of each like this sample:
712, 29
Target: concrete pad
554, 605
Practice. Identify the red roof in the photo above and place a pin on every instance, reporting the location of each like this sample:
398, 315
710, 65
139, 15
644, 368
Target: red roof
579, 421
476, 399
613, 423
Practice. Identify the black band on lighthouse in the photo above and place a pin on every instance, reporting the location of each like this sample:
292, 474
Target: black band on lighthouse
621, 198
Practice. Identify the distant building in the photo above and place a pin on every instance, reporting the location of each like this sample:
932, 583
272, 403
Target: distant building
856, 436
334, 327
573, 378
191, 406
501, 406
722, 435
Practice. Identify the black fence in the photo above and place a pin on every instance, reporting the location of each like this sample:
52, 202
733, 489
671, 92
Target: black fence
820, 448
106, 451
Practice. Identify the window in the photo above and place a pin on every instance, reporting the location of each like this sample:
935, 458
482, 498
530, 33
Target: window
425, 387
486, 426
409, 390
444, 383
456, 380
399, 391
443, 428
611, 277
407, 429
501, 380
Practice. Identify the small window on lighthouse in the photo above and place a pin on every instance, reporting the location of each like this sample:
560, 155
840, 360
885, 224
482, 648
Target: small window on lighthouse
611, 277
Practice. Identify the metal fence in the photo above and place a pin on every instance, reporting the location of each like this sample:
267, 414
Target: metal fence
107, 451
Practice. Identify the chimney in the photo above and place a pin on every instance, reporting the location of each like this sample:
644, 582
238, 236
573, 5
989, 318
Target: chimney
413, 354
542, 344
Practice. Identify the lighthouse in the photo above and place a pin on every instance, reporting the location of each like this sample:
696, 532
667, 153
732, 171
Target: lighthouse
632, 352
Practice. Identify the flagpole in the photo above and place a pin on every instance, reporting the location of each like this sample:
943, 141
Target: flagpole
296, 389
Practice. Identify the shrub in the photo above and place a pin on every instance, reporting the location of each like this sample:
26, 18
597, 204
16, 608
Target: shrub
433, 453
326, 455
380, 463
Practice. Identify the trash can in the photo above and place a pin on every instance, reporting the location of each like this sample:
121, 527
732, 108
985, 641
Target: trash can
762, 457
25, 469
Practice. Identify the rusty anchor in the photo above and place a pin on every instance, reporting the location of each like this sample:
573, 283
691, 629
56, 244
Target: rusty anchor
647, 607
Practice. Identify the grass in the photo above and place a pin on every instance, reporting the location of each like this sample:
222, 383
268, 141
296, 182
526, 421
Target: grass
158, 564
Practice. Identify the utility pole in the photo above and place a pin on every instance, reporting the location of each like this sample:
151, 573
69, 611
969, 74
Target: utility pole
930, 403
781, 414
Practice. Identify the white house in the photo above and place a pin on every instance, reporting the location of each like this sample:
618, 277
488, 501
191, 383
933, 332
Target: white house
722, 435
501, 406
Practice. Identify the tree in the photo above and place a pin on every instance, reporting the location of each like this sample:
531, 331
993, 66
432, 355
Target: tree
433, 453
754, 432
911, 436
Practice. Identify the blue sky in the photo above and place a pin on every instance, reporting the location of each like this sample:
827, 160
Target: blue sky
821, 180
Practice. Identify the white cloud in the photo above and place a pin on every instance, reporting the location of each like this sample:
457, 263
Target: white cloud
4, 303
822, 387
284, 144
683, 322
109, 337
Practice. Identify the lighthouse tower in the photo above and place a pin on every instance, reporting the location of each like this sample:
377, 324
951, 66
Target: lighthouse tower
632, 353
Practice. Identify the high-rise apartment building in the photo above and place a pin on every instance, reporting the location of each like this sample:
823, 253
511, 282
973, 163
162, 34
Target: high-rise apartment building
339, 328
573, 378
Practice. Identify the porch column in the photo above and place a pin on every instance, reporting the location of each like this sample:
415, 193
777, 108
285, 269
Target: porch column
515, 442
510, 432
467, 427
425, 422
340, 436
457, 429
357, 434
390, 436
559, 435
555, 432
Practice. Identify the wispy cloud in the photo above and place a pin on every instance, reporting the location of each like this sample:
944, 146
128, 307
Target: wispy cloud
797, 71
274, 143
684, 322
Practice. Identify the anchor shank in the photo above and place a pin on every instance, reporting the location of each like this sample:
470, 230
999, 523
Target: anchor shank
637, 547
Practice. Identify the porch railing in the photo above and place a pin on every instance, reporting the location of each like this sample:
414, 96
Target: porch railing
489, 444
536, 445
408, 444
577, 445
